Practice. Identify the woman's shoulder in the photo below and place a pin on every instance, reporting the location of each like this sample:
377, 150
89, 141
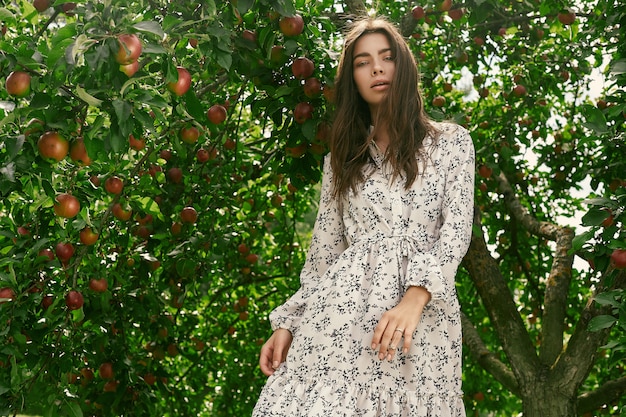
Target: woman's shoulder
450, 134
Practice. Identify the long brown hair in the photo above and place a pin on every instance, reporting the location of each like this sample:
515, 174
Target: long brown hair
402, 112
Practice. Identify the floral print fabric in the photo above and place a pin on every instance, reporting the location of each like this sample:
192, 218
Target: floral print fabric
361, 260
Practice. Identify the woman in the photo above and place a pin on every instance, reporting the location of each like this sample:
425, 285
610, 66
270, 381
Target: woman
374, 329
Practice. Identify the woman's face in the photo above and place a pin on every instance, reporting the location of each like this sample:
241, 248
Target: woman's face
373, 68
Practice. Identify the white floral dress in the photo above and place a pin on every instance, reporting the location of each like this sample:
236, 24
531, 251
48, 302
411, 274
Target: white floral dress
360, 262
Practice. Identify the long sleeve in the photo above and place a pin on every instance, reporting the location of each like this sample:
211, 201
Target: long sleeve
327, 243
436, 269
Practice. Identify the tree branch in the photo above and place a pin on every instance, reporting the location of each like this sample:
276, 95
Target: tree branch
356, 7
559, 280
486, 358
555, 299
605, 394
578, 358
498, 301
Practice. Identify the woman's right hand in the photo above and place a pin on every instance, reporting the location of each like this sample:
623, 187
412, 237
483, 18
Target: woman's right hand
274, 351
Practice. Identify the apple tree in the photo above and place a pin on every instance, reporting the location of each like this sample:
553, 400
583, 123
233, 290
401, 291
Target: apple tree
158, 172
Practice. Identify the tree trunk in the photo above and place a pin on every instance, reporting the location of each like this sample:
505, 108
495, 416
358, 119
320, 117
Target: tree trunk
547, 400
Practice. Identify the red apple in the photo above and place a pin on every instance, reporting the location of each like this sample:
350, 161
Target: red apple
188, 215
302, 112
114, 185
41, 5
6, 294
445, 5
519, 90
129, 49
87, 236
98, 285
291, 25
47, 253
566, 17
78, 152
120, 212
136, 144
252, 258
106, 370
130, 69
249, 35
296, 151
18, 84
64, 251
618, 258
66, 205
418, 12
439, 101
485, 171
52, 147
68, 7
47, 301
216, 114
202, 155
302, 67
456, 14
183, 83
74, 300
175, 175
230, 144
312, 87
189, 134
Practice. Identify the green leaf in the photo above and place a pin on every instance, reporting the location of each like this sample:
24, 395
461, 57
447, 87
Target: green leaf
87, 98
608, 298
601, 322
579, 240
595, 119
73, 409
150, 27
224, 60
193, 105
595, 216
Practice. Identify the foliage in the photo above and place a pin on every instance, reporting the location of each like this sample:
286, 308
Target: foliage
186, 305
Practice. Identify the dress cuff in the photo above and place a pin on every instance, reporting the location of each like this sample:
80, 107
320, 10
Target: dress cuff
424, 270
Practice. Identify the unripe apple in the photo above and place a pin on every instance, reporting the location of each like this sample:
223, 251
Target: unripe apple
129, 49
18, 84
53, 147
291, 25
66, 205
74, 300
182, 84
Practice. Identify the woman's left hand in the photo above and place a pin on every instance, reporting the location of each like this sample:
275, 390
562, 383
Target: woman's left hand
399, 323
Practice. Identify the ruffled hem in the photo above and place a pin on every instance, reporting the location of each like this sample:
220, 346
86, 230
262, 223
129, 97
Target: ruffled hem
286, 396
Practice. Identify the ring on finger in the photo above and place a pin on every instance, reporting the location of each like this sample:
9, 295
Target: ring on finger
399, 330
392, 347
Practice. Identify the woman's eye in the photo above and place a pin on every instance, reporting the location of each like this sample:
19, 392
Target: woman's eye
361, 63
389, 58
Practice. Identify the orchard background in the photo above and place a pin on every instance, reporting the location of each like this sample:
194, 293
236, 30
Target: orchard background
158, 171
